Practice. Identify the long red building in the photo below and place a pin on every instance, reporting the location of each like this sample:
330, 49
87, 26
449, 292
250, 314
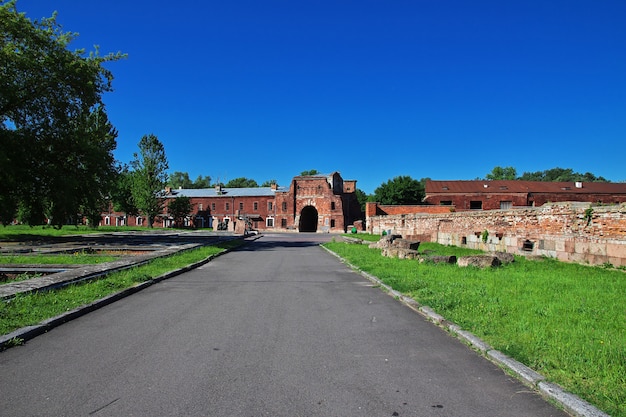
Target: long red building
505, 194
315, 203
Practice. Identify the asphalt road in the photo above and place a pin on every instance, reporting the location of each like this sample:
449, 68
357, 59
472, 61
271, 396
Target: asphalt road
278, 328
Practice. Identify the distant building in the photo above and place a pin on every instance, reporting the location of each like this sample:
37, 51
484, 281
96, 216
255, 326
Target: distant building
506, 194
316, 203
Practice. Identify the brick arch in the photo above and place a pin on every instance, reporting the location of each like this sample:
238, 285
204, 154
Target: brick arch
308, 219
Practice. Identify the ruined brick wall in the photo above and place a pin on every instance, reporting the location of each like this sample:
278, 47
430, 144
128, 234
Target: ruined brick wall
567, 231
375, 209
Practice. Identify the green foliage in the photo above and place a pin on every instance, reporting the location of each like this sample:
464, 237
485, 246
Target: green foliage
589, 215
56, 142
549, 175
241, 182
122, 192
561, 175
149, 177
179, 208
362, 198
269, 183
500, 173
181, 180
400, 190
309, 173
484, 235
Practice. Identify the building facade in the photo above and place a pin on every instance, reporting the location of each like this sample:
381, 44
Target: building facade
505, 194
316, 203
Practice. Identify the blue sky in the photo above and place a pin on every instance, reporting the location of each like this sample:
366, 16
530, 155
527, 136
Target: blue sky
445, 89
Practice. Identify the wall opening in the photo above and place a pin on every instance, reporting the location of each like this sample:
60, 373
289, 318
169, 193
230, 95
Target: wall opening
308, 219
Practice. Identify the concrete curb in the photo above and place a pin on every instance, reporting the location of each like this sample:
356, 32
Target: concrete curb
553, 392
24, 334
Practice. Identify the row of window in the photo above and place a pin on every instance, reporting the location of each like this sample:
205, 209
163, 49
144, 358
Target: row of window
255, 206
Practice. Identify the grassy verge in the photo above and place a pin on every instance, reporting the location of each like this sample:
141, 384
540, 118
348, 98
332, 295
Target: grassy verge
28, 232
77, 258
566, 321
30, 309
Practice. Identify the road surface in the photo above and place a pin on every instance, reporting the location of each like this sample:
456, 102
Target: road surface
277, 328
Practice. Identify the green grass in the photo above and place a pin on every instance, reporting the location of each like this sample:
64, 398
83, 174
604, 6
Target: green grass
30, 309
28, 232
566, 321
78, 258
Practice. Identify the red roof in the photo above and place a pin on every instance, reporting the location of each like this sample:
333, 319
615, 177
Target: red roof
514, 186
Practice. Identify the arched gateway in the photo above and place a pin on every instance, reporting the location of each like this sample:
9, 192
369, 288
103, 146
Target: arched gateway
308, 219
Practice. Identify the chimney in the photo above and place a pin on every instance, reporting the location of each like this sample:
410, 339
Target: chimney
218, 189
274, 186
579, 184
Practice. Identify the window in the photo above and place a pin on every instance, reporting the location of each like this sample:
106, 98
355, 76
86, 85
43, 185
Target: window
283, 222
332, 222
107, 221
240, 206
284, 206
270, 206
227, 206
139, 221
505, 205
476, 205
212, 206
199, 206
269, 222
256, 206
332, 205
445, 203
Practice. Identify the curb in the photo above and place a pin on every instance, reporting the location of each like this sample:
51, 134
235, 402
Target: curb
24, 334
569, 402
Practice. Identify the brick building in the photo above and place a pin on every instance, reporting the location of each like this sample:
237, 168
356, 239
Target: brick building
316, 203
504, 194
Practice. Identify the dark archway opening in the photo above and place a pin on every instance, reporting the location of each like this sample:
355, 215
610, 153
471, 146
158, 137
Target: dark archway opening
308, 219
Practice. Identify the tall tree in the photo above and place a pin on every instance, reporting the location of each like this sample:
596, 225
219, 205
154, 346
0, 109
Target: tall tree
202, 182
241, 182
121, 194
500, 173
149, 177
179, 208
179, 179
400, 190
51, 116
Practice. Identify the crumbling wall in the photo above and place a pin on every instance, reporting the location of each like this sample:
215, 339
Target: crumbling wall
575, 232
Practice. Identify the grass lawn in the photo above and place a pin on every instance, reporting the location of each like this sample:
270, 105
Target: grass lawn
566, 321
27, 232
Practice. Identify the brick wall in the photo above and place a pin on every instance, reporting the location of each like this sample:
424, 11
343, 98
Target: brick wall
375, 209
567, 231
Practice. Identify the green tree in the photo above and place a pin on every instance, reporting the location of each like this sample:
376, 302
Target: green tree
121, 194
179, 179
500, 173
202, 182
310, 172
179, 208
241, 182
400, 190
561, 175
55, 141
149, 177
269, 183
362, 198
